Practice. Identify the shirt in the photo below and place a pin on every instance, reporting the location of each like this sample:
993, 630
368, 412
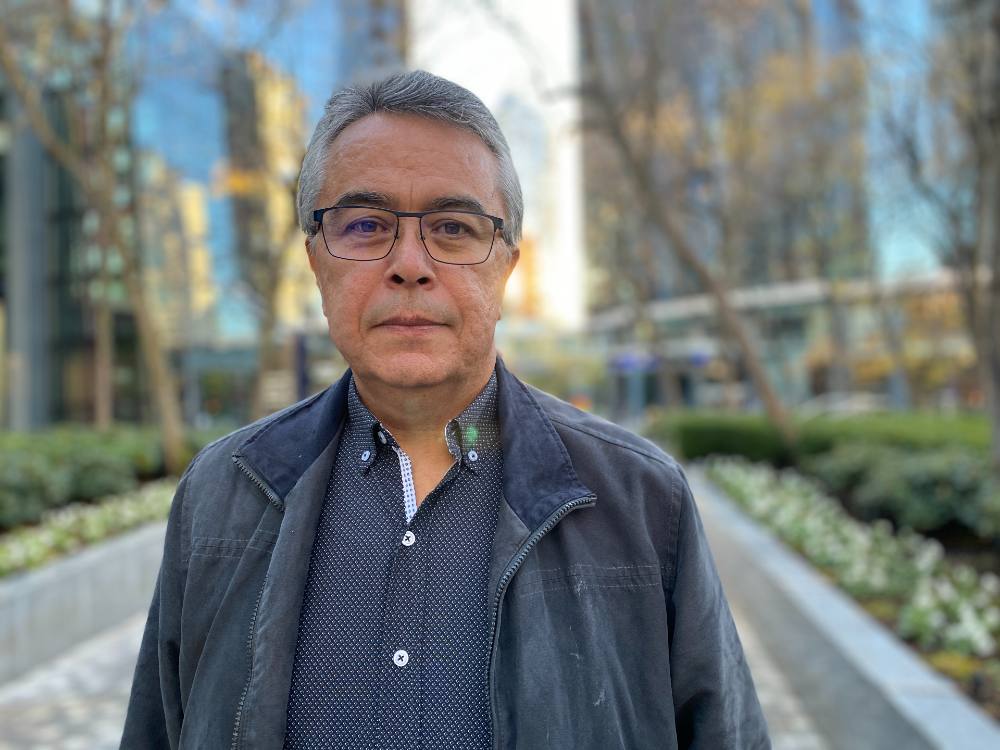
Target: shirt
394, 639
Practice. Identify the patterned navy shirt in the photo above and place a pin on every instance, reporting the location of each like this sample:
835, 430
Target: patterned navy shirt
394, 643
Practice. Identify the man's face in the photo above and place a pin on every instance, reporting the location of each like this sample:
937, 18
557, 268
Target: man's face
407, 320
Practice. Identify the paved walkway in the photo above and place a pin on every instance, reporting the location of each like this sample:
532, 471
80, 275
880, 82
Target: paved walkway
77, 702
791, 728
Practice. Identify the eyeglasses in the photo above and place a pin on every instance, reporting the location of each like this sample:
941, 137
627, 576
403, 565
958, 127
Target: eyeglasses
461, 238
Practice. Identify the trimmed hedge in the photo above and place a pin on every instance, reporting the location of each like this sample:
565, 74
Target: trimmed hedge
918, 470
40, 471
67, 529
923, 490
934, 603
698, 434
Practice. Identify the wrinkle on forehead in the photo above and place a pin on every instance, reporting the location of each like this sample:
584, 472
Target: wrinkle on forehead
436, 159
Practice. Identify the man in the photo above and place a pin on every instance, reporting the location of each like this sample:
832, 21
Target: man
430, 554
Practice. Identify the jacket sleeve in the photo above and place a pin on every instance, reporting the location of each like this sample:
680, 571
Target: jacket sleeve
155, 708
715, 702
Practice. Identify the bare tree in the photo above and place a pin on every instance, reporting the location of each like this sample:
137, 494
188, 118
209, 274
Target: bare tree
634, 98
264, 143
79, 56
947, 135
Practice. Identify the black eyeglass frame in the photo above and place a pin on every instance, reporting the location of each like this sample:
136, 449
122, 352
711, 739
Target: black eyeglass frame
317, 216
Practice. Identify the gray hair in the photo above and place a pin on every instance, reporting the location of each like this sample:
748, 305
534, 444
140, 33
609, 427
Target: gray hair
416, 93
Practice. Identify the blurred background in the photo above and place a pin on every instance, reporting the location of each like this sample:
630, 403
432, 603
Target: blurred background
758, 228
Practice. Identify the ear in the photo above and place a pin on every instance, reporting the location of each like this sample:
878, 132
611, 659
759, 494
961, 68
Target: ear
515, 255
310, 254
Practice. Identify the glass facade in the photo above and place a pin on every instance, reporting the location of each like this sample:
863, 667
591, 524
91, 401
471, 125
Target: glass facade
221, 102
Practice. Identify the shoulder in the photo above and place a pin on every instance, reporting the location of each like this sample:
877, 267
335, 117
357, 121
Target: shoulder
639, 487
219, 452
584, 430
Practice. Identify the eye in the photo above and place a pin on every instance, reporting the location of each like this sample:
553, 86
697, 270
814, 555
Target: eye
451, 228
364, 226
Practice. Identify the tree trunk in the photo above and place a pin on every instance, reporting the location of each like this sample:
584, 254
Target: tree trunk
104, 355
989, 236
104, 345
661, 218
990, 338
841, 380
902, 390
266, 357
163, 382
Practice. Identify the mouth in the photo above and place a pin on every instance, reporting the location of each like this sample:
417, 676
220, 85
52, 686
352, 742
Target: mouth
410, 324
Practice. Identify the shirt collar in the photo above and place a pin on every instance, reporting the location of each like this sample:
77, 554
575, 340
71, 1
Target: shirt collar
476, 430
469, 435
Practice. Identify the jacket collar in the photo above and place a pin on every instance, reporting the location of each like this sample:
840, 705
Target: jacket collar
538, 475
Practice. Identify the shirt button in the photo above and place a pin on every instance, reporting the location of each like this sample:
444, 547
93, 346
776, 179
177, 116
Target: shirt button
366, 455
401, 658
473, 456
409, 539
382, 437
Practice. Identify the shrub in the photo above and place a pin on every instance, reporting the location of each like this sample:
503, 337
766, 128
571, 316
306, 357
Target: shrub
926, 490
696, 434
29, 485
983, 515
71, 527
699, 434
938, 605
846, 467
43, 470
94, 474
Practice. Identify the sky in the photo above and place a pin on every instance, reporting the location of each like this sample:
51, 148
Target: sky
901, 227
518, 56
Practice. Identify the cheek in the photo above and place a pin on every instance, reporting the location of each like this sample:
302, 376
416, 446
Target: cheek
484, 300
339, 305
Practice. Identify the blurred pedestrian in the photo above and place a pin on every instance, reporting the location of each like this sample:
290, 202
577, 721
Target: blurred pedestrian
430, 553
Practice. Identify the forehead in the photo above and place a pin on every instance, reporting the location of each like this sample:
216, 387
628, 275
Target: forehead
410, 158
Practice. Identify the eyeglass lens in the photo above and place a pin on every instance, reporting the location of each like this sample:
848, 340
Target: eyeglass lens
369, 233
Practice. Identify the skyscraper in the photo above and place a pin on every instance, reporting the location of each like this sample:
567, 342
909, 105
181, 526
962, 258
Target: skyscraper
181, 162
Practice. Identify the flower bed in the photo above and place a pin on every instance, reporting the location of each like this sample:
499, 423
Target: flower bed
73, 526
949, 612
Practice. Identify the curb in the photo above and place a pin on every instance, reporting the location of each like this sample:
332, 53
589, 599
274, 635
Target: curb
47, 611
862, 685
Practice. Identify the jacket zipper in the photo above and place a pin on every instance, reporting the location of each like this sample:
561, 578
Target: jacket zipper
276, 502
508, 574
261, 485
246, 687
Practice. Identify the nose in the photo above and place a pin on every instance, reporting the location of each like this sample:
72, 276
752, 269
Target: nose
409, 263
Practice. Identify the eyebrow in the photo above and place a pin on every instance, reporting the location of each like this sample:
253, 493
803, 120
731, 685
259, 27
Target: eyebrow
381, 200
456, 203
364, 198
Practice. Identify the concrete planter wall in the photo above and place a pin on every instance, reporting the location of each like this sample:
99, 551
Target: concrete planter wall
45, 612
861, 685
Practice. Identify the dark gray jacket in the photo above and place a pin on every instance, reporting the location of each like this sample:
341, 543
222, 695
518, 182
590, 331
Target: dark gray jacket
610, 628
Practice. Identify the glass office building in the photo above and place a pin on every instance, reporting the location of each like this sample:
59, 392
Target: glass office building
224, 100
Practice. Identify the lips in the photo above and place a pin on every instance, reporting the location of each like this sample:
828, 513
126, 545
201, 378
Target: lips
414, 321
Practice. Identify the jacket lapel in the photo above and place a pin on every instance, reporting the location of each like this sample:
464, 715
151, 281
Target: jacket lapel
292, 456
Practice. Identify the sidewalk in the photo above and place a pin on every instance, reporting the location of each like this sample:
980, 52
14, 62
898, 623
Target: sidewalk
77, 702
789, 724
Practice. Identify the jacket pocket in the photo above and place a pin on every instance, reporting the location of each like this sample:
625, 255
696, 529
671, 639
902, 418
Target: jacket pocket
206, 546
583, 577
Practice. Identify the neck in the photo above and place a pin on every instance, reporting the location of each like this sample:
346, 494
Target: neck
416, 416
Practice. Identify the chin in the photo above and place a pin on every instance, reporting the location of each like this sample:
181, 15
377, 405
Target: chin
411, 370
